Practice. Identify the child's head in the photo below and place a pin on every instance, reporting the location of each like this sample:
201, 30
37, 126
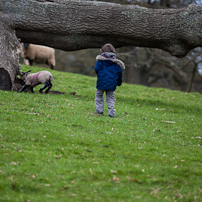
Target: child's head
107, 48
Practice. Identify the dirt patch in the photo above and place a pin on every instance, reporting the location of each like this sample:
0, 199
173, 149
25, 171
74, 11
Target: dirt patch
56, 92
60, 93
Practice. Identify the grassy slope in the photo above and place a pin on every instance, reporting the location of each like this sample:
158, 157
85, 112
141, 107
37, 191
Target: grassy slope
52, 147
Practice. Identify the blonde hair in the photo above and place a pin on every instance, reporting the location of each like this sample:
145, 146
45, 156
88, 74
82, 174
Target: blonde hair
108, 48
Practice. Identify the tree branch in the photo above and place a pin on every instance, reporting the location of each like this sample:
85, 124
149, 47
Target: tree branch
74, 25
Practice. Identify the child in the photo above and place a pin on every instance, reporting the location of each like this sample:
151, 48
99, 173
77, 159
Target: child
109, 75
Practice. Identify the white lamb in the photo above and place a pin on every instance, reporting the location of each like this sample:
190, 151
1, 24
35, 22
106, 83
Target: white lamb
34, 79
39, 54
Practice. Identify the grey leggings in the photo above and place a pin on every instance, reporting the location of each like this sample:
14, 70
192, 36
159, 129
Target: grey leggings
99, 101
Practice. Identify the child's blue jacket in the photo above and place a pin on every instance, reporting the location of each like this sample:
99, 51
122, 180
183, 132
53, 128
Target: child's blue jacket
109, 73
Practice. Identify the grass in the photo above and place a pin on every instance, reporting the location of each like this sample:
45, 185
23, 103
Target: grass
53, 148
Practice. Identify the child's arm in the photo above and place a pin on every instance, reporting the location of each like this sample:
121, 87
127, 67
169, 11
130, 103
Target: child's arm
97, 67
120, 75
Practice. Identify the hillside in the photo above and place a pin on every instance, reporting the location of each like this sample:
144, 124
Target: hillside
53, 147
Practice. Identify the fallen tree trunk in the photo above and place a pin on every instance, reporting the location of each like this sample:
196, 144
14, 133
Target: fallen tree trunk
74, 25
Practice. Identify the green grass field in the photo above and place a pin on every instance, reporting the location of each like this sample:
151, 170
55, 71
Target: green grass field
53, 147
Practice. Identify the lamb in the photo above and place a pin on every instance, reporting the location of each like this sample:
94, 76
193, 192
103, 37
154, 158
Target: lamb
39, 54
34, 79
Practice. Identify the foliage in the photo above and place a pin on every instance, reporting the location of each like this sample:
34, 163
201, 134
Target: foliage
53, 147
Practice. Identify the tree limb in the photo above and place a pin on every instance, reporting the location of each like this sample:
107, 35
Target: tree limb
74, 25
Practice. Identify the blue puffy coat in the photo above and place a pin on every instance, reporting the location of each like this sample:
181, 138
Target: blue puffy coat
109, 73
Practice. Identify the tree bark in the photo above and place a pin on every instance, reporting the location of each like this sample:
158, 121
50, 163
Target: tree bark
9, 49
74, 25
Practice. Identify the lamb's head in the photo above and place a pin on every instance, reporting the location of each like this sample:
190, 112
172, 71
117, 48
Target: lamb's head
23, 75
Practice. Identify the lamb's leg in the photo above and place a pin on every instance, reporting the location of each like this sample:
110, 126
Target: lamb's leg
24, 87
46, 84
49, 87
31, 88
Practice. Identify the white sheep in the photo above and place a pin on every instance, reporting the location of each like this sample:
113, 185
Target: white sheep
34, 79
39, 54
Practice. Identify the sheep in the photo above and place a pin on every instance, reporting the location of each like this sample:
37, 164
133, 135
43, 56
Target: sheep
39, 54
34, 79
